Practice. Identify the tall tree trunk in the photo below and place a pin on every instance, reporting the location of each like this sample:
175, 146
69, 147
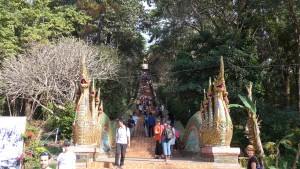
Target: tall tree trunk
254, 132
297, 158
8, 104
27, 109
277, 156
298, 56
287, 81
296, 21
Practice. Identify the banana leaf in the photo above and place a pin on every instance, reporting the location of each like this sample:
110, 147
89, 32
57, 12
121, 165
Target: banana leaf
248, 103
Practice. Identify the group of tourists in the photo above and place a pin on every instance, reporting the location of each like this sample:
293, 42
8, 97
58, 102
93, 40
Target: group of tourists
145, 104
166, 138
162, 129
145, 77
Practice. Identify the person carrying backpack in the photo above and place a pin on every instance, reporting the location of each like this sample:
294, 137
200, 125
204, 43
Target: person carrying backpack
130, 124
252, 162
167, 136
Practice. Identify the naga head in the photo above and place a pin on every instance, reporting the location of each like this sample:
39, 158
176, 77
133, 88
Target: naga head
100, 109
84, 83
219, 131
220, 82
202, 110
84, 76
97, 101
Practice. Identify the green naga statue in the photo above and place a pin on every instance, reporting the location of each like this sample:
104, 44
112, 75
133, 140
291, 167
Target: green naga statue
86, 126
216, 129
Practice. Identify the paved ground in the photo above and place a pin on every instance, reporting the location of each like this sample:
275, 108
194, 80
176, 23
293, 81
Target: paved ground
150, 163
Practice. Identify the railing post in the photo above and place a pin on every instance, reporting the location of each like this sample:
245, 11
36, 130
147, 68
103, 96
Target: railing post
56, 135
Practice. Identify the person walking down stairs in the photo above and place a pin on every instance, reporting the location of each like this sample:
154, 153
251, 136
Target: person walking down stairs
146, 124
151, 123
135, 119
158, 147
167, 136
122, 142
130, 125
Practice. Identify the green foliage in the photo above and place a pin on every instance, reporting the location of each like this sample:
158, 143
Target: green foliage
2, 102
258, 45
33, 160
248, 104
115, 21
244, 163
282, 134
272, 147
32, 148
32, 129
239, 139
236, 105
115, 97
40, 149
64, 120
23, 22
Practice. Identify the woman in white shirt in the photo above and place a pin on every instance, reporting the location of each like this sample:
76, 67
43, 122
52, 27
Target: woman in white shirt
172, 141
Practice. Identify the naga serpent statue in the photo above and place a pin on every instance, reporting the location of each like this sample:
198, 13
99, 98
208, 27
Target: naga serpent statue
88, 120
212, 125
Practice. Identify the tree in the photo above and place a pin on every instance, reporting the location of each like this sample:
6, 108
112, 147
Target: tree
275, 147
49, 72
297, 157
293, 9
252, 127
118, 24
24, 21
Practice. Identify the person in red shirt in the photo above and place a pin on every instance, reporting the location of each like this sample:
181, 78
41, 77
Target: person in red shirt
157, 136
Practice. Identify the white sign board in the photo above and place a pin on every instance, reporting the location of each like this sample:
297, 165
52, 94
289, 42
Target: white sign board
11, 141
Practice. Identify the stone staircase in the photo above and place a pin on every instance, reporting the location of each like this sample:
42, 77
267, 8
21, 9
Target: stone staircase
141, 153
146, 163
141, 146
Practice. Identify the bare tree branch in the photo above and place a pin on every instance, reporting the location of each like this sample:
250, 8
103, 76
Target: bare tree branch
49, 72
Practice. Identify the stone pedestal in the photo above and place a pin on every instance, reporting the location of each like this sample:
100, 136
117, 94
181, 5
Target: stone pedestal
220, 154
85, 153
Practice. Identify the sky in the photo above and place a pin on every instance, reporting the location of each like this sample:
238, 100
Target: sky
146, 35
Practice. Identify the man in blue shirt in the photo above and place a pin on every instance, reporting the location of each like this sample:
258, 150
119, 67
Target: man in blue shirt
151, 123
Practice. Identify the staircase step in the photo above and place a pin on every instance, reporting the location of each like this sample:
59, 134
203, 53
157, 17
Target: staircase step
175, 163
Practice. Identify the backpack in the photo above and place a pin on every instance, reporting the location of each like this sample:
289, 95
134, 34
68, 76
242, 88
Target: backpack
168, 133
119, 127
130, 123
258, 166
